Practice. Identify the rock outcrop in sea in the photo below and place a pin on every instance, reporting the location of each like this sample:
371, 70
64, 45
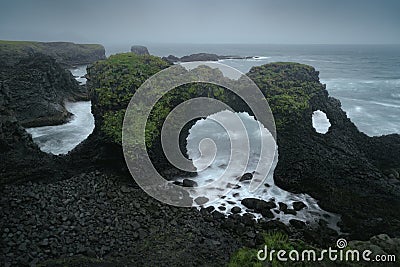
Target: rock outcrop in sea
37, 87
201, 57
344, 169
99, 209
336, 168
139, 50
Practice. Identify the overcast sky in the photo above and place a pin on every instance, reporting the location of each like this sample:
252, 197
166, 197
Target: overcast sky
202, 21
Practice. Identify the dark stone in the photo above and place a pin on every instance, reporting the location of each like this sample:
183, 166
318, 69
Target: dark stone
140, 50
343, 169
267, 213
236, 210
298, 205
246, 177
290, 211
201, 200
189, 183
37, 88
282, 206
257, 204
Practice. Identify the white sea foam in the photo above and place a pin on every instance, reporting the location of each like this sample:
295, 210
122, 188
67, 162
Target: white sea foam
207, 128
320, 122
61, 139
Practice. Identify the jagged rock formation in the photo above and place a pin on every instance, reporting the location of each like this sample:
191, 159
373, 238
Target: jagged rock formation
344, 169
66, 53
38, 87
20, 158
140, 50
337, 168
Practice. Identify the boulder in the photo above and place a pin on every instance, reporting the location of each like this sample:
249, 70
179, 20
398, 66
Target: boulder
140, 50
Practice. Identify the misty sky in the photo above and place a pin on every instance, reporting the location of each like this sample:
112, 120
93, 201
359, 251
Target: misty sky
203, 21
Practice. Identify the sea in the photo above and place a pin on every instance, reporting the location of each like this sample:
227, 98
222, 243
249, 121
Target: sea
365, 78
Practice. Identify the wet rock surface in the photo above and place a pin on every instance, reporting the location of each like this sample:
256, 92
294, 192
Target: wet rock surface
38, 87
343, 169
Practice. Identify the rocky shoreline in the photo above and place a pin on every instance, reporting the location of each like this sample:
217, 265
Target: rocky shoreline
85, 204
108, 217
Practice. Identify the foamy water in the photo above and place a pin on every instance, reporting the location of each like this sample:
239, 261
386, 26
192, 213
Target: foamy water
60, 139
220, 153
320, 122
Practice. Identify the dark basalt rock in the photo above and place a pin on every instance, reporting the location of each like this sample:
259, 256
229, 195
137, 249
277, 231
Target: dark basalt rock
201, 200
140, 50
236, 210
20, 158
246, 177
298, 205
343, 169
38, 87
257, 204
189, 183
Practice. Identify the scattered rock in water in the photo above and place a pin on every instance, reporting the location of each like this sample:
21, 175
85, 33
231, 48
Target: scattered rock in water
201, 200
177, 183
246, 177
257, 204
267, 213
290, 211
298, 205
267, 185
221, 208
189, 183
282, 206
236, 210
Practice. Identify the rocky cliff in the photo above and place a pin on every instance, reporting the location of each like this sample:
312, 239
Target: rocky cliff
339, 168
38, 87
20, 158
344, 169
66, 53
